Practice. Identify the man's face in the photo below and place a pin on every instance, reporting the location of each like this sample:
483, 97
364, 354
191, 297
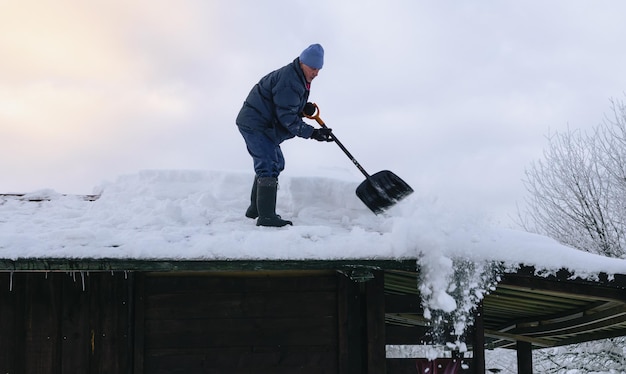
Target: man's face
309, 72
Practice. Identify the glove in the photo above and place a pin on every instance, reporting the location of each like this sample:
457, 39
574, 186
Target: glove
309, 109
322, 135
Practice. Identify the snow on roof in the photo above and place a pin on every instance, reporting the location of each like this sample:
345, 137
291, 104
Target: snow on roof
199, 215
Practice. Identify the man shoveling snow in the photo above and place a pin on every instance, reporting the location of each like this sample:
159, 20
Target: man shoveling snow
271, 114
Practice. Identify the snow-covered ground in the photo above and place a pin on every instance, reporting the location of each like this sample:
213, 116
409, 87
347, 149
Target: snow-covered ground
181, 214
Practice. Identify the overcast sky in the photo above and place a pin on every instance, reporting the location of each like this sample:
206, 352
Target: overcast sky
456, 97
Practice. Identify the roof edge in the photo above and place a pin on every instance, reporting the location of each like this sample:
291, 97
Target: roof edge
167, 265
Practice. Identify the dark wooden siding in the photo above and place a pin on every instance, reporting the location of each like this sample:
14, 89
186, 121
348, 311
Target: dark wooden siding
64, 323
247, 323
196, 322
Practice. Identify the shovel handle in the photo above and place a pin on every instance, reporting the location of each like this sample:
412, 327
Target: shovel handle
316, 117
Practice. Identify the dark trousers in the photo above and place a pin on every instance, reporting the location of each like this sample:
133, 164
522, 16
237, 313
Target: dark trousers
267, 157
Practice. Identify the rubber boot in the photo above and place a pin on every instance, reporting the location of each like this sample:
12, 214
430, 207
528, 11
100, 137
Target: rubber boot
252, 211
266, 203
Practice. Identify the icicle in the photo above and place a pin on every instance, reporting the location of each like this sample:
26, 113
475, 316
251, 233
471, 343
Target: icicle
11, 281
82, 276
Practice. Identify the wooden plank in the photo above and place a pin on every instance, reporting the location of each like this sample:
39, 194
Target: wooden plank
232, 332
375, 316
11, 334
114, 264
264, 359
138, 328
518, 337
75, 343
162, 283
350, 332
203, 304
42, 343
109, 321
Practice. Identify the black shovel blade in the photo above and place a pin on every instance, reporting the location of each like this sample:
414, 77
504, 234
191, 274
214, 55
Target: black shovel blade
382, 190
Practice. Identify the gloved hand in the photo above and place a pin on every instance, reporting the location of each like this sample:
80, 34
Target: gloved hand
309, 109
322, 135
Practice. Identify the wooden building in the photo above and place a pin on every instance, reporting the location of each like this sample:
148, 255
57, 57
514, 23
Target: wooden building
124, 316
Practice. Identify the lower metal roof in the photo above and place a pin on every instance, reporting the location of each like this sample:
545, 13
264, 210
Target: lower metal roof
544, 311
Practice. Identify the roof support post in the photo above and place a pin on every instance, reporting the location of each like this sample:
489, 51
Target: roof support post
524, 357
479, 341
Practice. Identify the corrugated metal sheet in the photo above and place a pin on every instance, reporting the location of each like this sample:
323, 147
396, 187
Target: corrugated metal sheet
545, 311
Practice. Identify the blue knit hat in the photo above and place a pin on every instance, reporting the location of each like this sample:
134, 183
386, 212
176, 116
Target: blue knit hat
313, 56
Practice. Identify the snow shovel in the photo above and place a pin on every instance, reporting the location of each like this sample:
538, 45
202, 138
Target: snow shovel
378, 191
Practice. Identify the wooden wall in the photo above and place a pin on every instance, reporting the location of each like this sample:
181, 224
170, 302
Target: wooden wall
65, 323
228, 322
243, 323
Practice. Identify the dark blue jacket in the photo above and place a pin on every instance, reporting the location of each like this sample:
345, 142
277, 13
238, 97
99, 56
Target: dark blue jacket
274, 105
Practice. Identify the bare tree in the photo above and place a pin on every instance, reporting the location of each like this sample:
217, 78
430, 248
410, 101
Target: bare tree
606, 356
577, 193
614, 148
